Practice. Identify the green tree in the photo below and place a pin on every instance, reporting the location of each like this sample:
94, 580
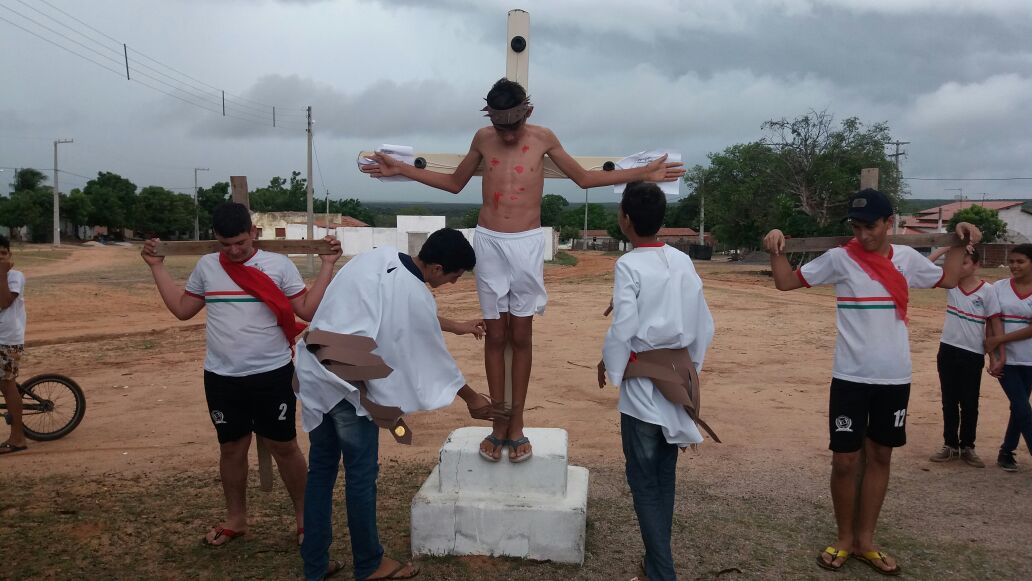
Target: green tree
819, 166
740, 193
471, 218
76, 208
354, 208
28, 180
988, 221
112, 199
598, 217
32, 208
163, 213
207, 200
552, 206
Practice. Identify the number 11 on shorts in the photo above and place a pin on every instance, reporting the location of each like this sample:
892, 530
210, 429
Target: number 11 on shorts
901, 417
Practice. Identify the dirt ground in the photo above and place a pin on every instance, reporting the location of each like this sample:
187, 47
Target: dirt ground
94, 314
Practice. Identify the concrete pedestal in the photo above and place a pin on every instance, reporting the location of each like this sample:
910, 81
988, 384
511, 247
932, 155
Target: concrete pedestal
535, 510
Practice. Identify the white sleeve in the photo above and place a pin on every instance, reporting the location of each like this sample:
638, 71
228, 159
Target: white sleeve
921, 272
195, 284
15, 281
291, 284
617, 346
825, 269
992, 301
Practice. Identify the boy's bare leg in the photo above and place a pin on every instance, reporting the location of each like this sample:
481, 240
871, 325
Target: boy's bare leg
872, 494
233, 470
494, 365
294, 471
844, 468
521, 329
14, 407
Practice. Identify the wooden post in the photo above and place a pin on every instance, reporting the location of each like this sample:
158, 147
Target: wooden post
517, 50
239, 189
869, 178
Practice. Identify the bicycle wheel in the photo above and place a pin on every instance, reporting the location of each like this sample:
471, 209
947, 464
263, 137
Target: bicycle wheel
53, 405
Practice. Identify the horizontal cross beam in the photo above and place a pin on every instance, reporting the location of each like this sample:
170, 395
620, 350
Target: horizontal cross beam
447, 162
196, 247
820, 244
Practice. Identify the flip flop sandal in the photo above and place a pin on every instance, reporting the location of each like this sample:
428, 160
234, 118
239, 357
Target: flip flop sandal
871, 556
300, 535
493, 410
496, 444
9, 448
230, 534
333, 568
516, 444
835, 554
394, 574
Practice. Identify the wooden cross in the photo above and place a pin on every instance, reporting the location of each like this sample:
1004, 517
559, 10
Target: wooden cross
869, 178
517, 64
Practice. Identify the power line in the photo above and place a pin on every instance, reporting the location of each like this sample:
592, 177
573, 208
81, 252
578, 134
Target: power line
318, 165
207, 102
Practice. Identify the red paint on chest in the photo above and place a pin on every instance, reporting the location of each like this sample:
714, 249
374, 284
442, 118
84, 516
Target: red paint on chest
514, 197
519, 169
522, 188
525, 148
495, 161
497, 196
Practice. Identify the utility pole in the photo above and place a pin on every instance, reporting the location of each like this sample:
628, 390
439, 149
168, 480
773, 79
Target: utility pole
327, 212
308, 190
196, 206
702, 212
898, 153
585, 231
57, 195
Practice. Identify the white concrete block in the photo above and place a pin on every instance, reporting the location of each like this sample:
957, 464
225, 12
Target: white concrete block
545, 528
462, 469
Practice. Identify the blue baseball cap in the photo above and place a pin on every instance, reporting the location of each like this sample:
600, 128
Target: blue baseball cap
868, 206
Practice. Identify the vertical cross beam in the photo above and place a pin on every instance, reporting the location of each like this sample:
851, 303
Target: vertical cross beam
238, 184
517, 50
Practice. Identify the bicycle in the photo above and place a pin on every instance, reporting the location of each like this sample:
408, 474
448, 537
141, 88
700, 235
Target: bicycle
52, 406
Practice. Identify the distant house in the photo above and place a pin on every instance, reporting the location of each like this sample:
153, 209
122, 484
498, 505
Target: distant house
274, 225
680, 237
934, 220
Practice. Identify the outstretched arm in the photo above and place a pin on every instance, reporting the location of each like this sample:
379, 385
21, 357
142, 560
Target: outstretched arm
784, 277
955, 258
306, 304
658, 171
386, 166
475, 327
184, 306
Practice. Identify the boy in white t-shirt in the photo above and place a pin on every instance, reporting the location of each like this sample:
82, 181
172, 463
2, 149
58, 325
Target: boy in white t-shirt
870, 385
12, 344
970, 310
660, 318
251, 298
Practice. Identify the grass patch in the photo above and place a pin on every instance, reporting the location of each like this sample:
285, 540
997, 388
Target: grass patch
75, 528
564, 259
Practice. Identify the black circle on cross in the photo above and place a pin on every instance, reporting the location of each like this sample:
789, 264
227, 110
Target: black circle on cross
518, 44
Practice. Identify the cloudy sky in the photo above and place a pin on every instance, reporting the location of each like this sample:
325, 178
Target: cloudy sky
610, 77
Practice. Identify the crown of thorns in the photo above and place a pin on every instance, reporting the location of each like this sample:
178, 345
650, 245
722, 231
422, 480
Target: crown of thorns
509, 116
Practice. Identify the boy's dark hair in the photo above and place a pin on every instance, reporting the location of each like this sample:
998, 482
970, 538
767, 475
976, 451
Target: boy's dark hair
5, 243
974, 257
450, 249
644, 204
506, 94
231, 219
1024, 249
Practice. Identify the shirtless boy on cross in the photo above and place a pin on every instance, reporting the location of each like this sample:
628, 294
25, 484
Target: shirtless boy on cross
509, 241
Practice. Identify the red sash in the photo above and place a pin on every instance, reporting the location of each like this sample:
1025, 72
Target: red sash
881, 269
258, 284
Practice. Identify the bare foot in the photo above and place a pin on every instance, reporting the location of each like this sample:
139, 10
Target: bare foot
519, 446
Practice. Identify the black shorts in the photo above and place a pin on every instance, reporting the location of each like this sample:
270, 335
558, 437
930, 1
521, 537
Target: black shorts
856, 410
262, 403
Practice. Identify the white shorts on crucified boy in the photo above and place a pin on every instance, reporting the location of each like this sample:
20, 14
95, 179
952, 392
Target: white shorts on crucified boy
510, 272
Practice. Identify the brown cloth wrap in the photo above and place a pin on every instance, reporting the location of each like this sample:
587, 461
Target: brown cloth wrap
673, 373
350, 358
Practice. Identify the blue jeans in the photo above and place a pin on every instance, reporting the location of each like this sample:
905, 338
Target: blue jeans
342, 433
651, 465
1017, 384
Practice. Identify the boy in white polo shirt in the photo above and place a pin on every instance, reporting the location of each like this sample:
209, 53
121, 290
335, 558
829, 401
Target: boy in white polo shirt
12, 342
251, 298
870, 385
660, 320
969, 311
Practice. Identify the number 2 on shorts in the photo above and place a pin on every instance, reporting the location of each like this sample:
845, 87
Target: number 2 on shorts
901, 416
283, 411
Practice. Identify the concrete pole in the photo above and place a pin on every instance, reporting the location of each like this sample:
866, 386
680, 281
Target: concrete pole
57, 195
308, 190
196, 206
585, 231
